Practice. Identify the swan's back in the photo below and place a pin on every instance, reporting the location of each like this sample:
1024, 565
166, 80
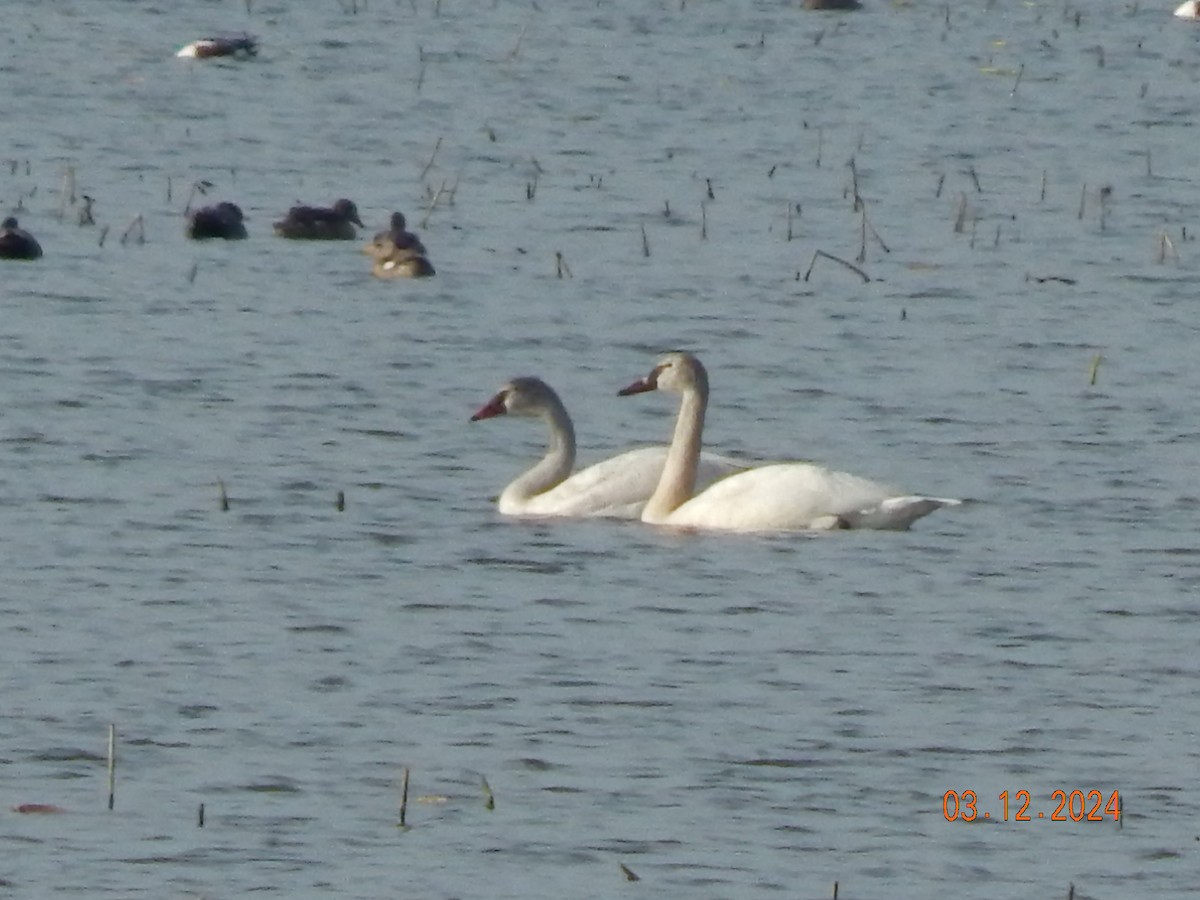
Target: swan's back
800, 496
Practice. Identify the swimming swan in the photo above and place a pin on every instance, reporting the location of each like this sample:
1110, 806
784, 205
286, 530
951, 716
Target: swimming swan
615, 488
779, 497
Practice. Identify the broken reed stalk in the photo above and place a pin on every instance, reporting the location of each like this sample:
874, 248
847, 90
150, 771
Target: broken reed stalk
67, 197
561, 265
489, 798
867, 226
789, 221
112, 765
1165, 249
820, 145
1082, 200
341, 501
975, 178
960, 220
835, 884
512, 54
1042, 195
1095, 367
854, 184
404, 797
629, 874
708, 184
941, 183
421, 77
1017, 83
224, 497
853, 268
645, 243
200, 817
433, 204
103, 235
703, 221
138, 226
192, 272
432, 156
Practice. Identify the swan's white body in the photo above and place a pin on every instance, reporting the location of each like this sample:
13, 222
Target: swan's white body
616, 488
778, 497
1188, 10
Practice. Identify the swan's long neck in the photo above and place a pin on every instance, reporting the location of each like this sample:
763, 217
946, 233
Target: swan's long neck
551, 470
678, 481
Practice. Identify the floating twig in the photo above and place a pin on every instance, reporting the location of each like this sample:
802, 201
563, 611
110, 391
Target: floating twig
629, 874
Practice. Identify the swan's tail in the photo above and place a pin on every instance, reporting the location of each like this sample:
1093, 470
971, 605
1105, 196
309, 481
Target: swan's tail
896, 513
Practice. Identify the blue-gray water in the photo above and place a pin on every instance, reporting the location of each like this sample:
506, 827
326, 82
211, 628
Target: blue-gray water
727, 716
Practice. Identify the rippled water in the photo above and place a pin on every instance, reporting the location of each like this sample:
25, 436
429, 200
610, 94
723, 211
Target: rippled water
725, 716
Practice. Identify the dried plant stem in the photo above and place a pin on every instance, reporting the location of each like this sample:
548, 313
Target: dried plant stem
432, 156
837, 259
404, 797
960, 220
433, 204
112, 765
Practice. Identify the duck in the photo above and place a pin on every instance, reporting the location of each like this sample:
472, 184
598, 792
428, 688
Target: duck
1188, 10
401, 238
16, 242
315, 223
618, 487
402, 266
225, 45
793, 496
392, 260
221, 221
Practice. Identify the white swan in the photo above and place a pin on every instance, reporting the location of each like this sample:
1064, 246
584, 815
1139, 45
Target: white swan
779, 497
1188, 10
616, 488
